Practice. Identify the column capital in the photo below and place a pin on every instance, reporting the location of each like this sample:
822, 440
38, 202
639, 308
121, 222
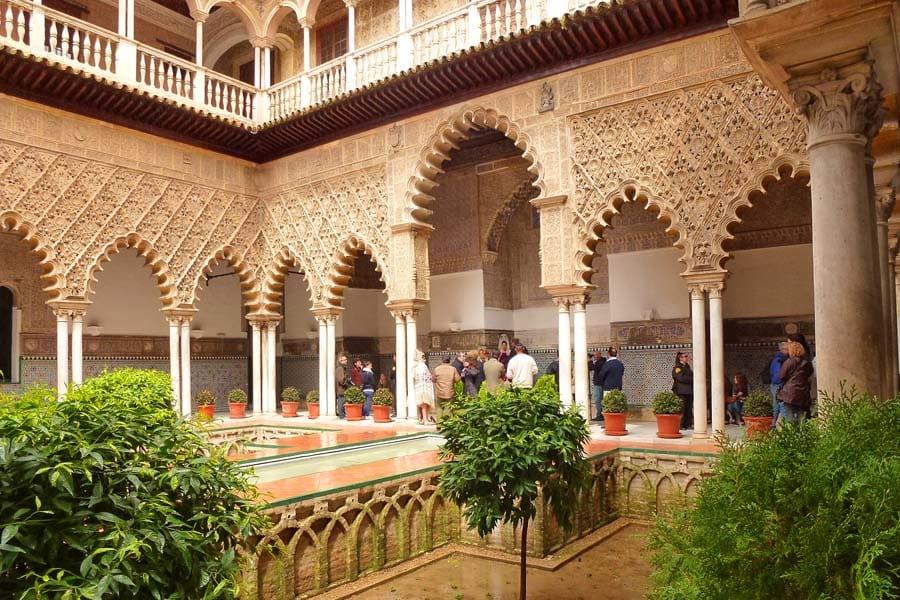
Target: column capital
200, 16
69, 308
179, 315
409, 306
885, 198
261, 42
351, 3
840, 102
570, 294
306, 23
332, 313
702, 283
416, 228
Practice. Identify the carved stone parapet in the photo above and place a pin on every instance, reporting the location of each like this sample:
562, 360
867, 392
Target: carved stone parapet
839, 102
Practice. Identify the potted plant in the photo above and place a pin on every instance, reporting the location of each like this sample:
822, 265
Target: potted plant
206, 404
353, 403
237, 404
312, 403
290, 401
758, 413
382, 402
615, 406
667, 408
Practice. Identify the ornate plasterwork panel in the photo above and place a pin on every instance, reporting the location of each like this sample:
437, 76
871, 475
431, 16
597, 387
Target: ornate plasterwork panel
324, 224
693, 154
86, 210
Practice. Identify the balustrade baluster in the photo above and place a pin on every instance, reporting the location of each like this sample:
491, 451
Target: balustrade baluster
54, 37
108, 55
8, 21
20, 26
65, 40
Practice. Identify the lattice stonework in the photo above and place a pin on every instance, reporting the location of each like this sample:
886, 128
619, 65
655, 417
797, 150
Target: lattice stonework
78, 212
322, 224
694, 154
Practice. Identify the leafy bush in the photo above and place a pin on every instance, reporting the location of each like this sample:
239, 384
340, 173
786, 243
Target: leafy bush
546, 384
758, 404
809, 511
312, 397
237, 397
205, 398
666, 403
291, 394
501, 448
615, 401
110, 494
383, 397
354, 395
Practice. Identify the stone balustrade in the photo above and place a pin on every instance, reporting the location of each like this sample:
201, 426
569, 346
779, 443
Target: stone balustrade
47, 34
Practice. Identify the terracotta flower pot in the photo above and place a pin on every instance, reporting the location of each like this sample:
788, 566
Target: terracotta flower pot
237, 410
668, 426
289, 409
757, 426
313, 410
381, 413
615, 423
207, 411
353, 412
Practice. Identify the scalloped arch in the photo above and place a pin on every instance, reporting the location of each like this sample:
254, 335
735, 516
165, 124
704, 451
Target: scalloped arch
342, 268
152, 258
52, 274
273, 280
592, 231
246, 274
446, 138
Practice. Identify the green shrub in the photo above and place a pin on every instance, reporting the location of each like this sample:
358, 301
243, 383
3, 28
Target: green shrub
758, 404
291, 394
354, 395
312, 397
615, 401
809, 511
205, 398
666, 403
110, 494
383, 397
547, 384
237, 397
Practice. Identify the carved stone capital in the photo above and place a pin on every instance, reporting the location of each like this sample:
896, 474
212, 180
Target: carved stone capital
885, 198
199, 15
843, 101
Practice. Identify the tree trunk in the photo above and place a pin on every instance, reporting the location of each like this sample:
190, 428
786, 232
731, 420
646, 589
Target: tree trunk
522, 566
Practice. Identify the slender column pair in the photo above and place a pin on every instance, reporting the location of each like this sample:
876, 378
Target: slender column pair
264, 371
699, 291
572, 323
327, 320
180, 358
66, 313
405, 348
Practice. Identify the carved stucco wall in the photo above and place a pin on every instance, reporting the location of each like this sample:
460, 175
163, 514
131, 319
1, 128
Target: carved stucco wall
21, 272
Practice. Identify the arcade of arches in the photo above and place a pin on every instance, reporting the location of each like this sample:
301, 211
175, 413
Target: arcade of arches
663, 201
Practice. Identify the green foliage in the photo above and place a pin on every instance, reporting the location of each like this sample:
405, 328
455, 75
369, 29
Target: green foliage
546, 384
758, 404
291, 394
615, 401
110, 494
205, 398
665, 403
312, 397
237, 397
458, 389
383, 397
500, 449
809, 511
354, 395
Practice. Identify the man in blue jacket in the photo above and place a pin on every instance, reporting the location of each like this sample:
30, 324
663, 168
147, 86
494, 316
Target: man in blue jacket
775, 379
611, 372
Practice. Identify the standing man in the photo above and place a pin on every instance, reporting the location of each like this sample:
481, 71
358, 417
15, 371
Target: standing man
611, 372
479, 362
445, 376
683, 386
521, 369
553, 369
775, 379
493, 372
341, 383
458, 362
597, 362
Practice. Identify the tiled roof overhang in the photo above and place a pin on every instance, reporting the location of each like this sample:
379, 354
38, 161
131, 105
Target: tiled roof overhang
549, 48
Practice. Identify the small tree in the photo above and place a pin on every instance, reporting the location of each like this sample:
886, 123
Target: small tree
110, 494
502, 449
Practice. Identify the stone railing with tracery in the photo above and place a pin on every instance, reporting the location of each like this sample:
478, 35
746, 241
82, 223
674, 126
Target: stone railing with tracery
74, 44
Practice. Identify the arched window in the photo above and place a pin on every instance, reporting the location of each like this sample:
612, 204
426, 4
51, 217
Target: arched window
6, 333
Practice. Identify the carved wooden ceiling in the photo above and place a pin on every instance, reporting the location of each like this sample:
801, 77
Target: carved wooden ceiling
544, 50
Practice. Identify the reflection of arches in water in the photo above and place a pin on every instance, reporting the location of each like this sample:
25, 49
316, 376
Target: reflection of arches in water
7, 303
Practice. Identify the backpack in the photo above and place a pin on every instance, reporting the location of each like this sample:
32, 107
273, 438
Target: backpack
765, 376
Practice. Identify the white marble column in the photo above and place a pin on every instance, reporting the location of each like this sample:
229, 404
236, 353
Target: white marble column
351, 25
175, 361
565, 352
130, 20
579, 335
198, 42
263, 367
62, 352
257, 66
400, 356
411, 347
698, 353
331, 405
272, 371
16, 349
717, 358
323, 361
77, 347
256, 366
842, 108
186, 394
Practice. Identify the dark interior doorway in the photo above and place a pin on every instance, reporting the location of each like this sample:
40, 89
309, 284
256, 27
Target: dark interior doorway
6, 333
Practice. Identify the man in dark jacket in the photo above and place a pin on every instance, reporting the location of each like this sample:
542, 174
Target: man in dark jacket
553, 369
341, 383
683, 386
611, 372
594, 366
